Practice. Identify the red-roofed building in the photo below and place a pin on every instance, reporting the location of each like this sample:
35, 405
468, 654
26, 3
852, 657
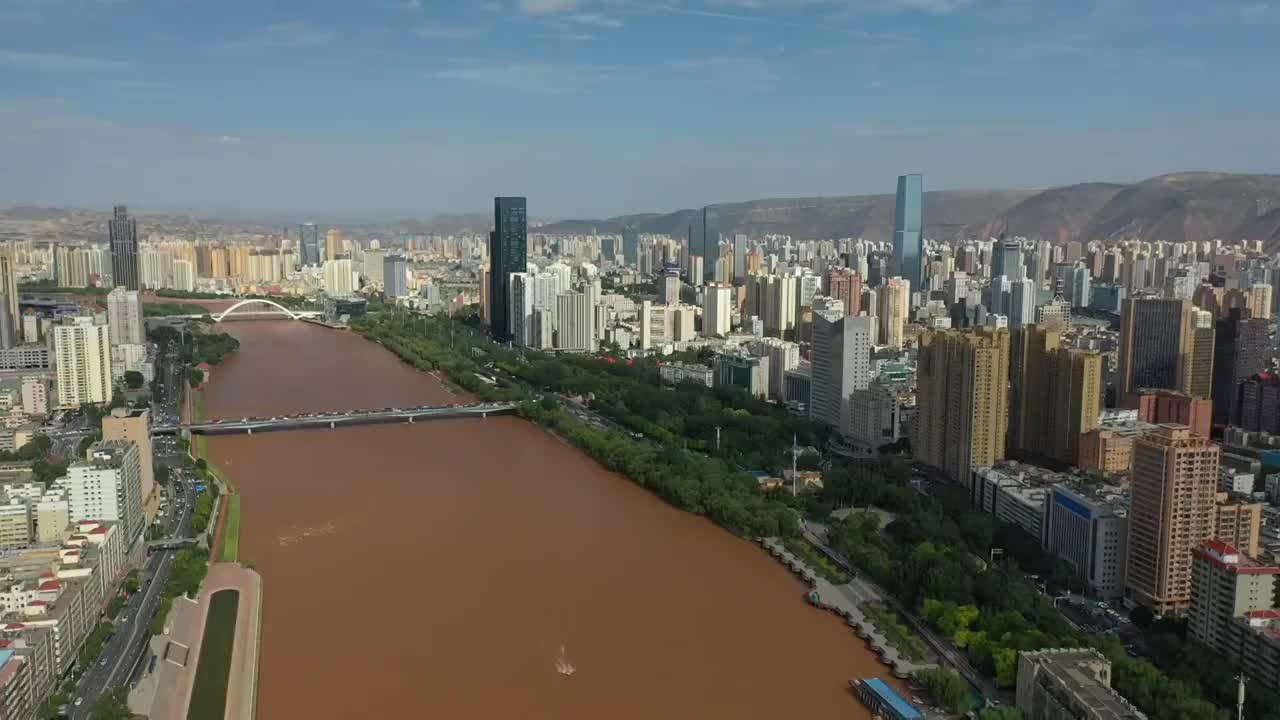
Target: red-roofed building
1226, 584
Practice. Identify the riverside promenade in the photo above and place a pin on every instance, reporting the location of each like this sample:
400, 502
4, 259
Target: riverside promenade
846, 601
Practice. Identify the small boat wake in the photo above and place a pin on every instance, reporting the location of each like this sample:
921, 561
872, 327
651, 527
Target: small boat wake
563, 666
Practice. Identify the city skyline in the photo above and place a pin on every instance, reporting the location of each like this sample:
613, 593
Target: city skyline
395, 108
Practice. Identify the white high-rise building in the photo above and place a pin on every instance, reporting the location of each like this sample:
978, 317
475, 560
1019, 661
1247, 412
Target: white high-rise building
808, 286
108, 486
1022, 303
184, 275
125, 317
82, 354
338, 280
575, 322
717, 310
841, 361
35, 396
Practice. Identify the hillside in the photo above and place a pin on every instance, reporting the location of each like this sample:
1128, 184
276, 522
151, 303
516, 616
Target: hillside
1174, 207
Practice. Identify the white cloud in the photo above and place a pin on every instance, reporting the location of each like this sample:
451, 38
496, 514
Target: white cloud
547, 7
528, 78
596, 20
440, 31
723, 71
226, 140
292, 34
58, 62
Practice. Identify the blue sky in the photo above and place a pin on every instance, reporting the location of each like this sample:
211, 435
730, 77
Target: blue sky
599, 107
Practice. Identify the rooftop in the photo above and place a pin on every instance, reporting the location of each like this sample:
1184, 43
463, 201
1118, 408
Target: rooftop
1080, 673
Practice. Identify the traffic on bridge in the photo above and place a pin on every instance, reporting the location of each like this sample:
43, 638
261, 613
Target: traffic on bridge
334, 419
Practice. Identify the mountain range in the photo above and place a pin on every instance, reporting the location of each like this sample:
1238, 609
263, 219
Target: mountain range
1176, 207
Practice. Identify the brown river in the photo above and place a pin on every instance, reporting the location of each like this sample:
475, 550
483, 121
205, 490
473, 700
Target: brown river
437, 570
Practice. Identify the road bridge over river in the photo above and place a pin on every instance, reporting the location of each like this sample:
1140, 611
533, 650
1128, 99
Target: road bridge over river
329, 420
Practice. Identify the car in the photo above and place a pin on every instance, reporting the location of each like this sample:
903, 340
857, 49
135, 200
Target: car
79, 701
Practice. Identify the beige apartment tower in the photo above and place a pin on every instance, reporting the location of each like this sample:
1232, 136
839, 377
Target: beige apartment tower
963, 396
1056, 394
135, 427
1172, 511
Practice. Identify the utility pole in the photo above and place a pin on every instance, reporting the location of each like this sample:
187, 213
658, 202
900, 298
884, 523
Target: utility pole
1240, 697
717, 438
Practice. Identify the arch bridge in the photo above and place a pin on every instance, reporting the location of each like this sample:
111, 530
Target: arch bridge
278, 309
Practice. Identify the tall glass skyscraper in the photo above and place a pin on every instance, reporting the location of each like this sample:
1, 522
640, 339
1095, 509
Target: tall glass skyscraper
508, 253
908, 228
709, 248
124, 249
309, 244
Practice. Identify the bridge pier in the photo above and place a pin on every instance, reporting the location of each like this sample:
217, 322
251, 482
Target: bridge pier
410, 419
249, 430
330, 424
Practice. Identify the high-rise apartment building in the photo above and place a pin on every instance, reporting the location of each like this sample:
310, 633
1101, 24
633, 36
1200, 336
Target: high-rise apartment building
123, 231
841, 360
1174, 486
895, 308
184, 276
1242, 349
108, 487
1226, 584
508, 253
82, 355
717, 310
1055, 394
395, 276
523, 310
134, 426
1157, 339
845, 285
338, 278
10, 318
962, 389
575, 322
908, 230
333, 244
1238, 521
739, 258
125, 317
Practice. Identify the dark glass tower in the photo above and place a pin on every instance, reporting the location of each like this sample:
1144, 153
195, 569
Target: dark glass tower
908, 229
630, 246
124, 249
309, 244
709, 245
508, 253
1240, 351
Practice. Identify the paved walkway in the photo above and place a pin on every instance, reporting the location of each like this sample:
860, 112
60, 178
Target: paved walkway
166, 693
846, 601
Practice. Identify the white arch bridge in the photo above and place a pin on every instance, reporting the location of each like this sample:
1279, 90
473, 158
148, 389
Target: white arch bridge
276, 309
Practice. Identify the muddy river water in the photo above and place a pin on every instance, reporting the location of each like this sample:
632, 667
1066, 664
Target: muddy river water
437, 570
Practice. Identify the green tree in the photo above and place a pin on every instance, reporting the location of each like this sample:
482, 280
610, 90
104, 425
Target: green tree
113, 705
947, 689
1000, 712
133, 379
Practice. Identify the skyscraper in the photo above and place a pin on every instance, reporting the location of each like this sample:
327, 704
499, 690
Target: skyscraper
845, 285
962, 380
1006, 259
739, 258
1157, 338
9, 316
124, 249
841, 361
1241, 350
895, 308
1174, 485
134, 426
908, 227
716, 310
394, 276
1055, 394
508, 253
630, 246
108, 486
309, 245
706, 245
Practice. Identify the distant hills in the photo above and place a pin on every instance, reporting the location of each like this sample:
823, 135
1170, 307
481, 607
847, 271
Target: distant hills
1181, 206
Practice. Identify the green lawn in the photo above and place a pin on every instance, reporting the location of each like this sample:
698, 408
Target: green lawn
230, 550
209, 696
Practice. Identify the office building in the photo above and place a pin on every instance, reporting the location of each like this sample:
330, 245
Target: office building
82, 353
962, 390
1260, 404
717, 310
1090, 534
678, 372
707, 247
1081, 292
309, 245
1022, 303
1174, 486
1011, 500
123, 231
134, 425
875, 415
1069, 684
1055, 394
1200, 380
841, 359
125, 317
1157, 338
895, 307
523, 309
739, 259
1226, 584
747, 373
908, 231
108, 487
395, 276
508, 253
1242, 349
